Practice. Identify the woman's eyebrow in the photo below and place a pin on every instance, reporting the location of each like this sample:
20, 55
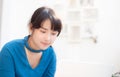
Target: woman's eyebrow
44, 28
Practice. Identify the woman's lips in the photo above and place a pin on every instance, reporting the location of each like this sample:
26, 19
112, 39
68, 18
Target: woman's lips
46, 44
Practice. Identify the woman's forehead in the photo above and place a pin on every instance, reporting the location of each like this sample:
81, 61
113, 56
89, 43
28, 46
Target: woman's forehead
46, 24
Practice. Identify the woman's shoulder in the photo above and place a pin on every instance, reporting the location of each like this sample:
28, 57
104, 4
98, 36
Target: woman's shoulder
14, 42
50, 50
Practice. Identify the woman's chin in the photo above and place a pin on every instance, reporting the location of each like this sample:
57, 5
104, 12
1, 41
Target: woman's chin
44, 48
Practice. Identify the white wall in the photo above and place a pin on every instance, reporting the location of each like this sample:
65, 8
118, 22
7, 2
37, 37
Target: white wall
109, 31
106, 51
16, 14
0, 17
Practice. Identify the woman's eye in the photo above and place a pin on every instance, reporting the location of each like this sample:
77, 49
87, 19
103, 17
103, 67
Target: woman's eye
43, 31
54, 33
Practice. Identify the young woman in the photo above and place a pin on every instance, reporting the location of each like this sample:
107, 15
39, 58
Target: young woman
33, 56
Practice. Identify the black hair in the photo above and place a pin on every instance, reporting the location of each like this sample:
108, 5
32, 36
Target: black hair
42, 14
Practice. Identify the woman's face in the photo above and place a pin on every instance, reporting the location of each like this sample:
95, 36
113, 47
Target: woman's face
43, 37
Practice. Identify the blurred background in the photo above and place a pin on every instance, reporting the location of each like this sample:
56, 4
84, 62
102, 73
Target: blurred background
89, 43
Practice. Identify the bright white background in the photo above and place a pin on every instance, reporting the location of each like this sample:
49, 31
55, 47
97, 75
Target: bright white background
74, 60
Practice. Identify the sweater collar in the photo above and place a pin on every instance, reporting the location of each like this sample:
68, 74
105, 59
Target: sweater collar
28, 47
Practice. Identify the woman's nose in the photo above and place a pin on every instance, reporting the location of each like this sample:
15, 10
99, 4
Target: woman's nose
48, 37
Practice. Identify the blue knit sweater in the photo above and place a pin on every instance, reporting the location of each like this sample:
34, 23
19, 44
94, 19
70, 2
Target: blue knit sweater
14, 62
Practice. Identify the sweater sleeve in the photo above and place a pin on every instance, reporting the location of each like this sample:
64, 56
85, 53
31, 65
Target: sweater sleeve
6, 63
51, 69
